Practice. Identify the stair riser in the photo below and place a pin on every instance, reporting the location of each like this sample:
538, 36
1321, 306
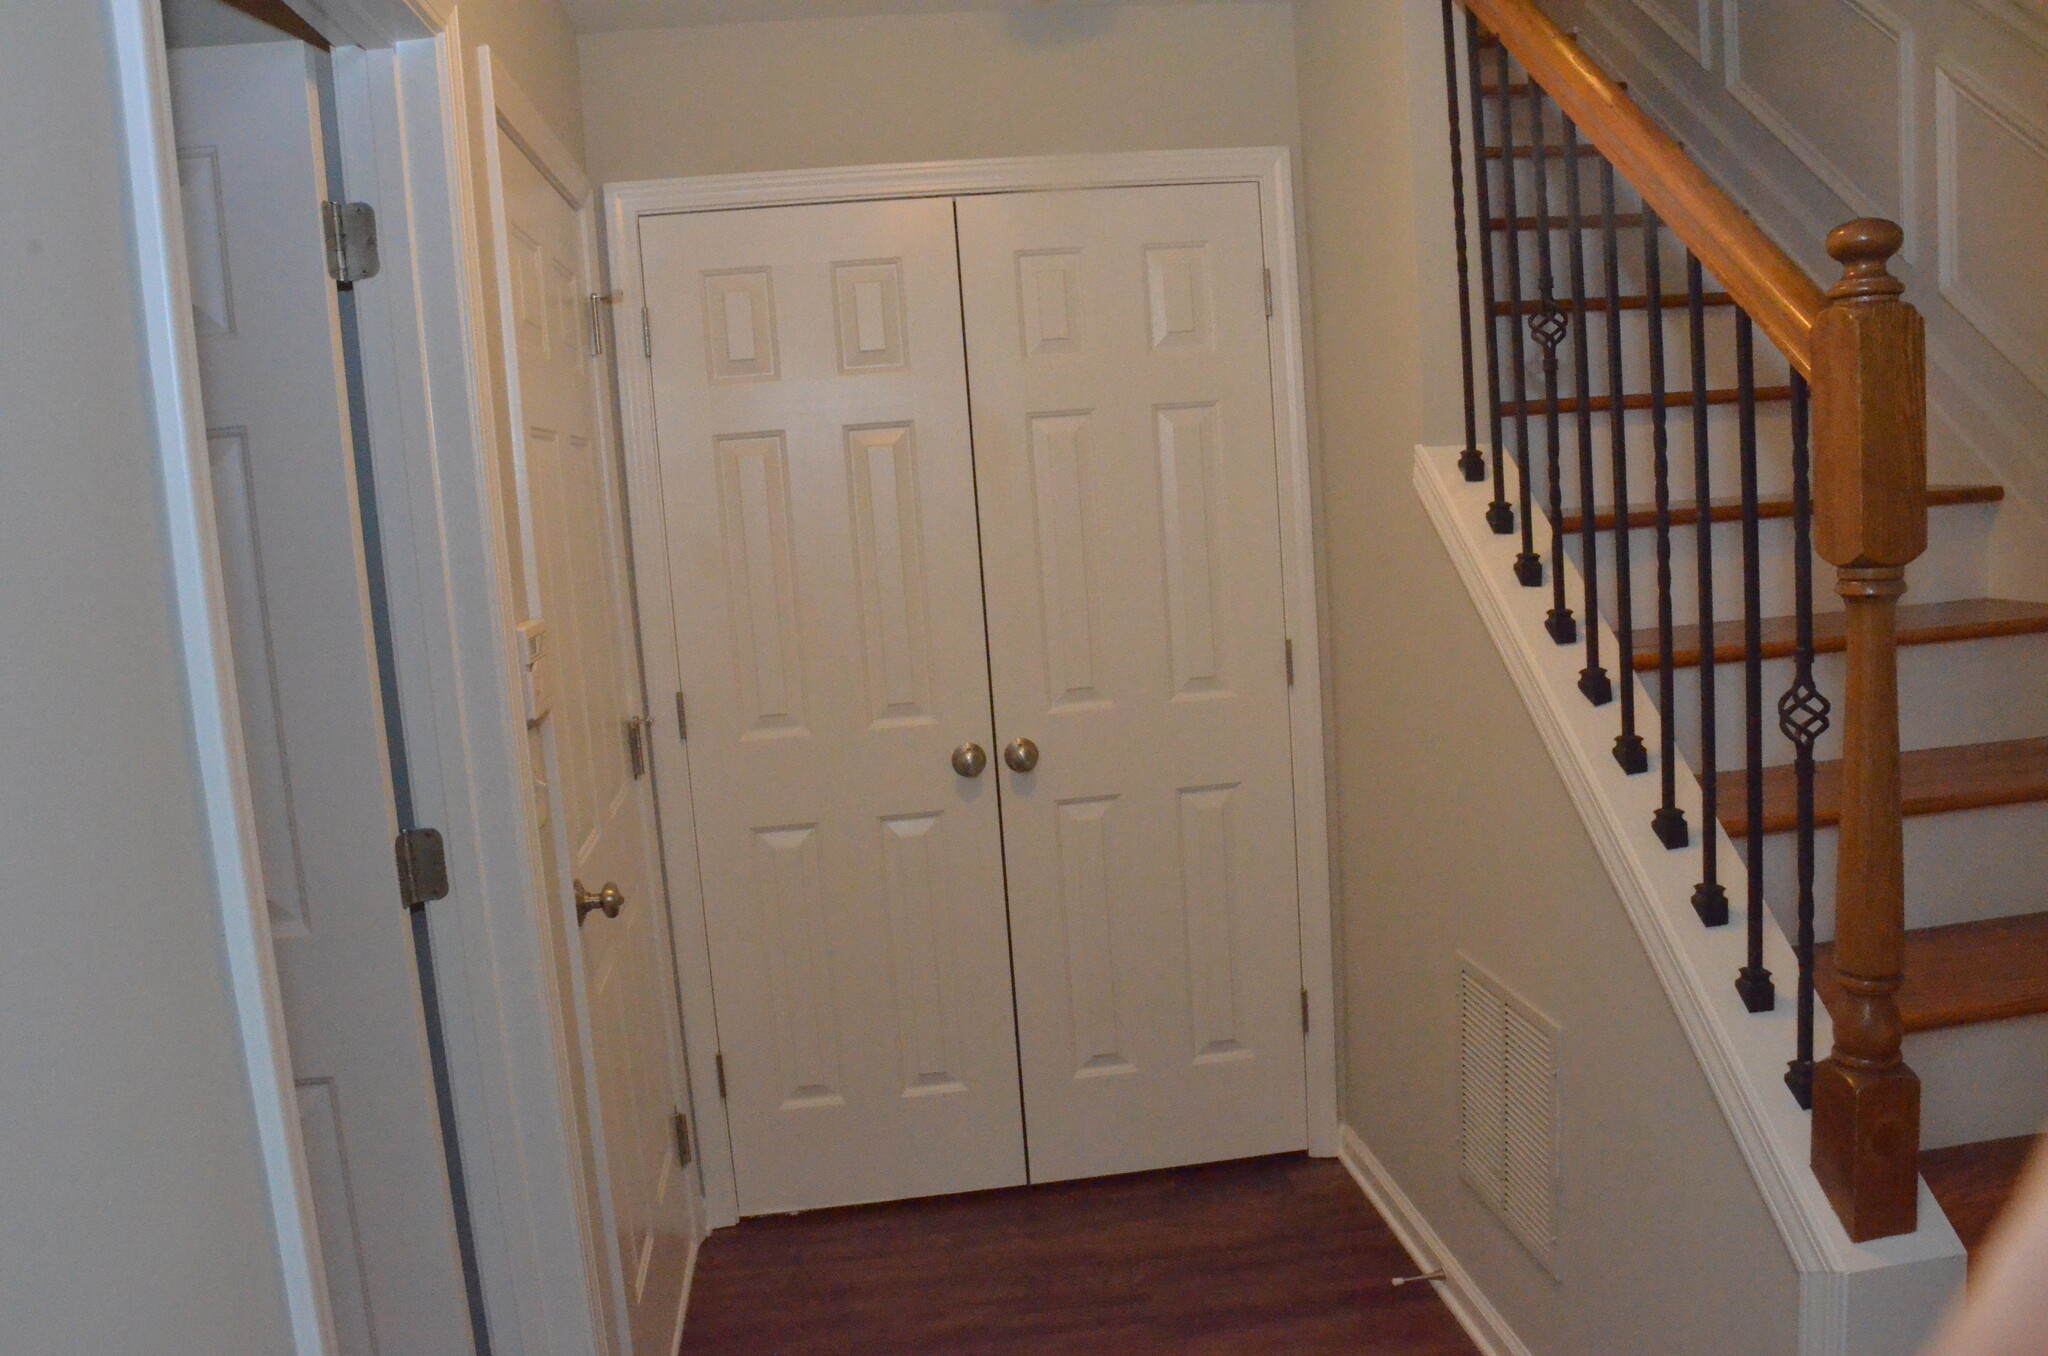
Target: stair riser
1970, 692
1981, 1082
1960, 867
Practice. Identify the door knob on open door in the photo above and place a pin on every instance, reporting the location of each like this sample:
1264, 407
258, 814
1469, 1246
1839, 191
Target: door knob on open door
1021, 754
607, 900
969, 759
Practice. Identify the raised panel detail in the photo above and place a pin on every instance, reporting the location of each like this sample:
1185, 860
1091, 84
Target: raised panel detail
1187, 449
888, 543
753, 478
263, 726
739, 325
1684, 22
1993, 191
868, 298
789, 887
921, 942
334, 1215
1059, 484
1086, 892
1178, 296
1209, 905
1788, 65
206, 242
529, 296
1049, 300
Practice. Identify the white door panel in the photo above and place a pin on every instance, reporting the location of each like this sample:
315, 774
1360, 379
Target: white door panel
1123, 431
819, 504
600, 811
252, 178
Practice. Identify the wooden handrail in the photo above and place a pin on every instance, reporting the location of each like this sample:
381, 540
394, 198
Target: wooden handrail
1765, 281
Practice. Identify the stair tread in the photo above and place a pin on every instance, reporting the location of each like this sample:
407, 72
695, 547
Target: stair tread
1962, 973
1550, 150
1919, 624
1642, 400
1932, 782
1729, 510
1672, 301
1974, 1181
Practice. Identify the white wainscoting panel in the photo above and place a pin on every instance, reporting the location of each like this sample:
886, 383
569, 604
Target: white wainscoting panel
1992, 196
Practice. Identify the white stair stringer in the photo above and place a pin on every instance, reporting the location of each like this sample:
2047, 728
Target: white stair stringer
1856, 1299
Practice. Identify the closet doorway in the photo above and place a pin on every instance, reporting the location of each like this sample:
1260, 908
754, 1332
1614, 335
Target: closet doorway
971, 533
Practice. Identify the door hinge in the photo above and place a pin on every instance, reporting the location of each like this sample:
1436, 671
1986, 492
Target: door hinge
1290, 661
721, 1075
636, 745
351, 231
596, 308
1269, 294
1304, 1012
682, 720
683, 1150
646, 334
422, 867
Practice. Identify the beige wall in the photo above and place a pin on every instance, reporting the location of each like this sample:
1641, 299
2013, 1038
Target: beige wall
807, 93
1454, 831
532, 39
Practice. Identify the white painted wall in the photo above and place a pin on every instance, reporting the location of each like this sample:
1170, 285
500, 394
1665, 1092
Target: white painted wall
798, 94
133, 1214
1454, 830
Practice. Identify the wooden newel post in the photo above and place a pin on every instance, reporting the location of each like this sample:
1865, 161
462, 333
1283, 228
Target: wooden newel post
1869, 380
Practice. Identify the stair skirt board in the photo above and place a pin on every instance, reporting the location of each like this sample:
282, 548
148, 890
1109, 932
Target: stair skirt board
1873, 1299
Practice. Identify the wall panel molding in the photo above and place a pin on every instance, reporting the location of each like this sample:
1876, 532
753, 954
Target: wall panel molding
1991, 265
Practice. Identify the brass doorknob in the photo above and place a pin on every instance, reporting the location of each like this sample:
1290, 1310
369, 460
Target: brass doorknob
607, 901
969, 759
1021, 755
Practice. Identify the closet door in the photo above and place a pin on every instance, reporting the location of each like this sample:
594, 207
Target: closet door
1123, 432
818, 496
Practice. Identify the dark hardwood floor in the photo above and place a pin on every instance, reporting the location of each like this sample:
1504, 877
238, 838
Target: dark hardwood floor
1265, 1257
1974, 1181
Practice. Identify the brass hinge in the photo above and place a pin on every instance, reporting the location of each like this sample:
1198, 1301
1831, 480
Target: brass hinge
683, 1151
721, 1075
646, 334
1269, 294
1290, 661
636, 745
351, 231
682, 720
1304, 1012
422, 867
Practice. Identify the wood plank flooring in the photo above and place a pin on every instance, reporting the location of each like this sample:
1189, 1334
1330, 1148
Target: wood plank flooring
1974, 1181
1274, 1255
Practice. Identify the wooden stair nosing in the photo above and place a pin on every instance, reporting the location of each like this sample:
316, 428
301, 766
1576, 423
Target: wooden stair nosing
1686, 512
1550, 151
1588, 221
1961, 973
1932, 782
1919, 624
1675, 302
1673, 400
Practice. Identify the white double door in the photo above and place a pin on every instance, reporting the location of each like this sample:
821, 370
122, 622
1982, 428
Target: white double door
931, 976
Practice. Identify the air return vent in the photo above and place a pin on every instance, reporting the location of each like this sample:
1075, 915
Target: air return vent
1508, 1107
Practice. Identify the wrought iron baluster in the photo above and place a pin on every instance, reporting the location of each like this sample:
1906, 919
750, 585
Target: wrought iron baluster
1528, 565
1754, 983
1803, 717
1594, 684
1709, 899
1469, 461
1549, 324
1628, 745
1500, 515
1669, 821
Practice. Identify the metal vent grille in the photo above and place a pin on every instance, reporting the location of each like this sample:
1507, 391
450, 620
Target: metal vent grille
1508, 1107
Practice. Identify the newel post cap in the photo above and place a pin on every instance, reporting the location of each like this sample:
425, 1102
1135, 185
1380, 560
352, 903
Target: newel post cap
1863, 247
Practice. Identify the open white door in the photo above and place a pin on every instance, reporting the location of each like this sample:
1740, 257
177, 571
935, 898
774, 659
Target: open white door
587, 707
252, 176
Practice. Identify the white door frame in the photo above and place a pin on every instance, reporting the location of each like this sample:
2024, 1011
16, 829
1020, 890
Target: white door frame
404, 108
1271, 170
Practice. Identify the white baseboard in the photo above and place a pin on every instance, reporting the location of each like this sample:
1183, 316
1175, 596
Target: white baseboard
1461, 1294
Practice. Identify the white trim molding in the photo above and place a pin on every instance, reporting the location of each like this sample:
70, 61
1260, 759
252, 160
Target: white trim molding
1460, 1293
1269, 168
1869, 1299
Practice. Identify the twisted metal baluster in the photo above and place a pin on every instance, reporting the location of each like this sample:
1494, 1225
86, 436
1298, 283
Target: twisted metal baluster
1628, 745
1528, 565
1500, 515
1469, 461
1709, 899
1549, 325
1803, 717
1593, 681
1754, 983
1668, 823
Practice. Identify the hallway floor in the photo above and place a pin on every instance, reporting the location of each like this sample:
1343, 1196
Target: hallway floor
1267, 1255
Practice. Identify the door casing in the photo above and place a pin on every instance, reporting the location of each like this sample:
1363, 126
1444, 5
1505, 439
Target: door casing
1271, 169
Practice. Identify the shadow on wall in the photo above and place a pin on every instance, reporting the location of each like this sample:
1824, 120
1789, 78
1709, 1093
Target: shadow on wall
1057, 25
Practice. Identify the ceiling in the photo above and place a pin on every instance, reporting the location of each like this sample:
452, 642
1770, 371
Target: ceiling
599, 16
